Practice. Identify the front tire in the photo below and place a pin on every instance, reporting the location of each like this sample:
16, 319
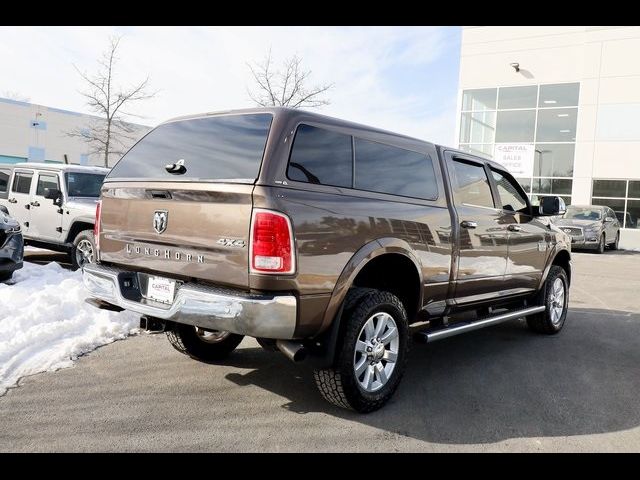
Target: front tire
371, 352
84, 249
201, 344
601, 245
555, 297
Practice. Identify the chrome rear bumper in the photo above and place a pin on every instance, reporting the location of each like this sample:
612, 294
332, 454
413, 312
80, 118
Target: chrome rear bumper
268, 316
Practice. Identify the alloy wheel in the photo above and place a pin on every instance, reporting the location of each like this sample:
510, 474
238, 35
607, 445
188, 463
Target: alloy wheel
376, 353
84, 252
556, 301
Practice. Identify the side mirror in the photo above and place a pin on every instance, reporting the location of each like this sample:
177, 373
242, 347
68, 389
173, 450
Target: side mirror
53, 194
550, 206
4, 210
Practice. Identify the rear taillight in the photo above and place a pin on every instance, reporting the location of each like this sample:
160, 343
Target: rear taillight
271, 248
96, 225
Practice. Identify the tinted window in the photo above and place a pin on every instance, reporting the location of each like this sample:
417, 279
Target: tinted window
510, 197
46, 181
83, 184
559, 95
4, 180
22, 182
386, 169
554, 160
321, 156
557, 125
471, 185
515, 126
213, 148
518, 97
609, 188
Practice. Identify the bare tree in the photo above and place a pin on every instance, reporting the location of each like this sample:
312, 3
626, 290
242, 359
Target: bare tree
285, 87
111, 134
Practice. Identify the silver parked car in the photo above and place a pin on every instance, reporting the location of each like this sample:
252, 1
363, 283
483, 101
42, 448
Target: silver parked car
55, 205
591, 227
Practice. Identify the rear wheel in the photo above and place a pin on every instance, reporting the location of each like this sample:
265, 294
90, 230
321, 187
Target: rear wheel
555, 297
371, 353
200, 344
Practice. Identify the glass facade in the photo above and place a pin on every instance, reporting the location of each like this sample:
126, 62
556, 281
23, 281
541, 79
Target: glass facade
541, 116
622, 196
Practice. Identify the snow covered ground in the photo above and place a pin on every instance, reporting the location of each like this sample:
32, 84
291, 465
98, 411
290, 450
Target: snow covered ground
45, 323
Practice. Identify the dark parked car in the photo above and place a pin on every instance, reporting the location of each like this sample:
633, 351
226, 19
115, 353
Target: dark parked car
591, 227
11, 245
321, 238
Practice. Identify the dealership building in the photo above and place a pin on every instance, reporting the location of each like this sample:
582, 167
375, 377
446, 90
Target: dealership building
35, 133
559, 107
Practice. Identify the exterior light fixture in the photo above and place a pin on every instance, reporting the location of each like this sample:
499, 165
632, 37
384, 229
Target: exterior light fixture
516, 66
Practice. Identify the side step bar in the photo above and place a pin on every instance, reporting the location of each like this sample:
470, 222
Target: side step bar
429, 336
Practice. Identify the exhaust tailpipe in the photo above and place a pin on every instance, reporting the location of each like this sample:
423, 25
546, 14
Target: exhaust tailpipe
293, 351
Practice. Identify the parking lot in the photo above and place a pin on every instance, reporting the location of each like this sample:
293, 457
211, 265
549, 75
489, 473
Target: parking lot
499, 389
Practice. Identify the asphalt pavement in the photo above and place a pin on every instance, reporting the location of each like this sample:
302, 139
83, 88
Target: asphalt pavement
503, 388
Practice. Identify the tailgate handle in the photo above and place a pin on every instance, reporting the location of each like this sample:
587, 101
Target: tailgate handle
160, 194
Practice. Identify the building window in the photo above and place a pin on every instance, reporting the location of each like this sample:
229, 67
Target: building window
622, 196
541, 117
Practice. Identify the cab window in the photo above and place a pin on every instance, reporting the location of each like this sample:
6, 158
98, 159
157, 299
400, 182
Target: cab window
47, 181
511, 199
471, 185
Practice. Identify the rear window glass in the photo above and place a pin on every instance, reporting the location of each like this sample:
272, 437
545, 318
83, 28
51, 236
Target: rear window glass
83, 184
222, 148
387, 169
321, 156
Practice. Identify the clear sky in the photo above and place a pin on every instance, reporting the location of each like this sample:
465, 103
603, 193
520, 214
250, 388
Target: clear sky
399, 78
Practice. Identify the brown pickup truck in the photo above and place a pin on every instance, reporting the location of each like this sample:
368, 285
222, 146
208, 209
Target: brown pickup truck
323, 239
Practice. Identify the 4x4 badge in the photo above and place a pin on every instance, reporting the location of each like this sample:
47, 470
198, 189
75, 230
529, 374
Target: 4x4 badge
160, 220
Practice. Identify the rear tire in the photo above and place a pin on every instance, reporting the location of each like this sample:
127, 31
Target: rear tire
554, 295
201, 345
84, 249
371, 352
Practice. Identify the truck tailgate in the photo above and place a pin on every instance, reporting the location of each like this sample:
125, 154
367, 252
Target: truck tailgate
178, 229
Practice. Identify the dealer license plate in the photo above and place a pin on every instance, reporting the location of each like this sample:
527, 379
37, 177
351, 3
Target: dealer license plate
161, 289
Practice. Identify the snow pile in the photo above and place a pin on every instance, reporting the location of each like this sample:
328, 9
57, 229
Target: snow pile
45, 323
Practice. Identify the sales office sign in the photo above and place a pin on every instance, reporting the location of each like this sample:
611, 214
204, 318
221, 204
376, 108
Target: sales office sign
517, 158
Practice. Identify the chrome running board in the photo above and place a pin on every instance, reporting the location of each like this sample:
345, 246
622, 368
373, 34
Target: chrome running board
428, 336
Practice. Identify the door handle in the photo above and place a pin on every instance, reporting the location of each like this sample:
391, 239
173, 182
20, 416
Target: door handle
468, 224
514, 228
35, 204
13, 200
